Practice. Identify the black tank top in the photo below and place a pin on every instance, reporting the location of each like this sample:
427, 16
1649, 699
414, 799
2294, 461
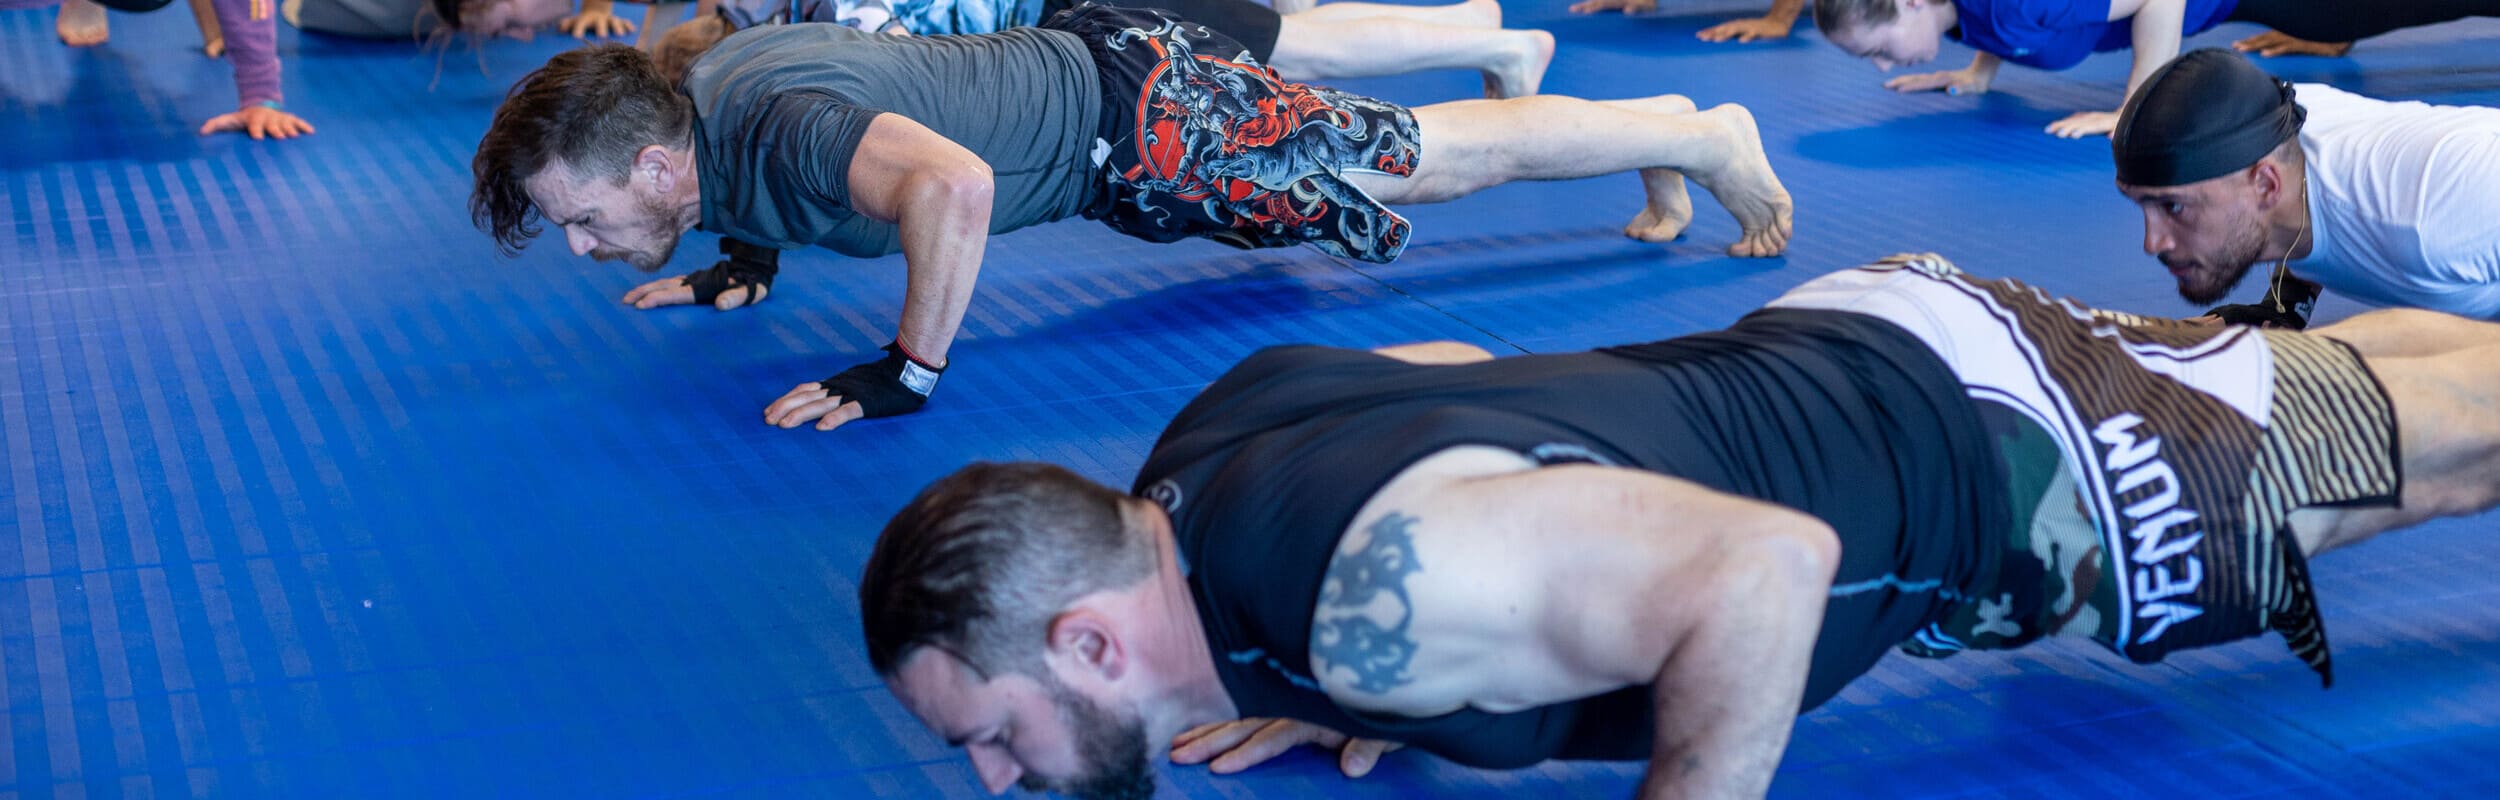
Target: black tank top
1839, 415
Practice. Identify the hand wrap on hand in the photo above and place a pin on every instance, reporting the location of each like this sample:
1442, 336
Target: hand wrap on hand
2263, 315
2286, 305
893, 385
741, 264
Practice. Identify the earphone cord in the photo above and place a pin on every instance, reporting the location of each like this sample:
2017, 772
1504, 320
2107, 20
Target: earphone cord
2284, 266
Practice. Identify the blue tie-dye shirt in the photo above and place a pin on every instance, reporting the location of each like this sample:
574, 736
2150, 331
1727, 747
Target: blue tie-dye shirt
917, 17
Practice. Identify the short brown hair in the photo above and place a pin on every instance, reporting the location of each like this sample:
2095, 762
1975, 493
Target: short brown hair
681, 45
981, 562
593, 109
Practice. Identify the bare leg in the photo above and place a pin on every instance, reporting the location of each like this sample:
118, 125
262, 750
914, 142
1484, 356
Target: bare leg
1471, 145
2448, 426
1513, 62
212, 38
1470, 14
1670, 203
2411, 332
81, 23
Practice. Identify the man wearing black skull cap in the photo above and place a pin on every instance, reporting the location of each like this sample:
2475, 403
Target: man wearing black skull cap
2391, 203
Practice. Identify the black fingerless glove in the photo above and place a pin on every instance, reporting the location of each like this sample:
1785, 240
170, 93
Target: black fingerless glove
741, 264
2263, 315
894, 385
2286, 306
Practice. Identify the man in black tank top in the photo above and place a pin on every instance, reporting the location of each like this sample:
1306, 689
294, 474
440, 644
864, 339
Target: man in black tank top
790, 136
1666, 551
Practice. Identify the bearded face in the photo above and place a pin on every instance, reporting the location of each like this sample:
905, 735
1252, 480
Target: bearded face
2210, 233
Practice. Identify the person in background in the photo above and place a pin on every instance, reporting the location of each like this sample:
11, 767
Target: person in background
2058, 34
246, 30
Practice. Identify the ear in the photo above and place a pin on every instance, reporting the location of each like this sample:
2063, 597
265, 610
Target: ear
2268, 178
1085, 641
653, 164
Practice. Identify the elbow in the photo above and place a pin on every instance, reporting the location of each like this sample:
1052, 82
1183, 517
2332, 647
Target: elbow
953, 194
1801, 549
964, 186
1784, 561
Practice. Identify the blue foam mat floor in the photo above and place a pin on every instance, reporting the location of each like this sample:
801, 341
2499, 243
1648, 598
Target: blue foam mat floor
308, 494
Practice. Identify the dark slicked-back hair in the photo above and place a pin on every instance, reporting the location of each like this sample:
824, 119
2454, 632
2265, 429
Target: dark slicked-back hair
1834, 16
591, 108
980, 562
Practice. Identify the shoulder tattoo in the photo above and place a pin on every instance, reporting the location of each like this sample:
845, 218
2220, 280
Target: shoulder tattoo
1360, 627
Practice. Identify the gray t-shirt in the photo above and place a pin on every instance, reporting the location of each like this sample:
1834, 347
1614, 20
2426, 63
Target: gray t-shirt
780, 109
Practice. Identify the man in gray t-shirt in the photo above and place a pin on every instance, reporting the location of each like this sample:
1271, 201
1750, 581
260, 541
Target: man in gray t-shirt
818, 135
780, 113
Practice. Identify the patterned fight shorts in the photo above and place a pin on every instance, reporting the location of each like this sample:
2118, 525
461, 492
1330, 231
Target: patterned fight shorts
2154, 465
1200, 140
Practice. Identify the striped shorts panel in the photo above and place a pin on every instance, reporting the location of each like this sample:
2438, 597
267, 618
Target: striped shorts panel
2184, 449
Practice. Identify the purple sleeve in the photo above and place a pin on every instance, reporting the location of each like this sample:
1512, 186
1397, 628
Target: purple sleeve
252, 44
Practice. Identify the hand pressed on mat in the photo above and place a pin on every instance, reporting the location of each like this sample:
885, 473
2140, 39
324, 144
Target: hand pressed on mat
1750, 29
595, 23
262, 122
1953, 81
1229, 747
2085, 123
895, 385
743, 277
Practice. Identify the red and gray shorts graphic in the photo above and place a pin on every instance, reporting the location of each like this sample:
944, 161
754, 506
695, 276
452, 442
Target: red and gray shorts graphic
1209, 143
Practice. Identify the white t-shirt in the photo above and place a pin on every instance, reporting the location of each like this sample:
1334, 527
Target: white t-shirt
2404, 201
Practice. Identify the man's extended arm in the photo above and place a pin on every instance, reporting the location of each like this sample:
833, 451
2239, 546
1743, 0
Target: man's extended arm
1728, 694
1504, 586
938, 195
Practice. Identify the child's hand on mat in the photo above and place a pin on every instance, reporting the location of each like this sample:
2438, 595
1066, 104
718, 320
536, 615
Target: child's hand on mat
262, 122
593, 22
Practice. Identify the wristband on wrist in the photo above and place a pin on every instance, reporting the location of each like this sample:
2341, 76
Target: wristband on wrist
917, 375
893, 385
